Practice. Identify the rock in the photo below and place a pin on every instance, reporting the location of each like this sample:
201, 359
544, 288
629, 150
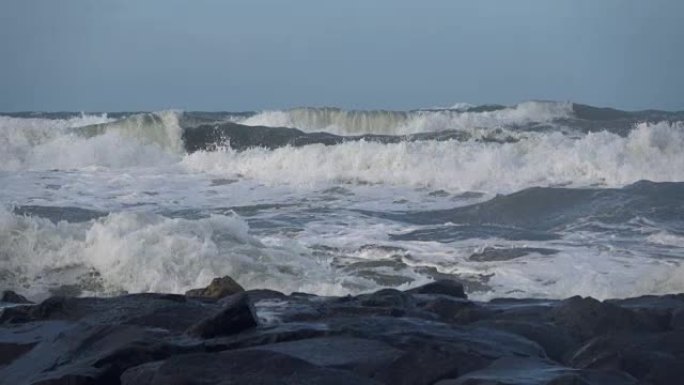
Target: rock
555, 341
359, 355
445, 287
237, 315
653, 358
11, 297
217, 289
387, 298
10, 351
421, 336
585, 318
677, 320
261, 367
452, 310
534, 371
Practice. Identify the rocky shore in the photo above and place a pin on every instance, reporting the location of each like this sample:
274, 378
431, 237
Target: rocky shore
428, 335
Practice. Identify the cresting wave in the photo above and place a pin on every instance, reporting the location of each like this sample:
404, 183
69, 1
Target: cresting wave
337, 121
144, 252
649, 151
89, 141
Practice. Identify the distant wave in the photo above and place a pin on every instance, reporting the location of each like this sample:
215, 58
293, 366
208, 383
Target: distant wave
482, 148
649, 151
342, 122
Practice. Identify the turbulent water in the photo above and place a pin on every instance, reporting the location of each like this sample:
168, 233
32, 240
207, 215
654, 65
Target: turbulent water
540, 199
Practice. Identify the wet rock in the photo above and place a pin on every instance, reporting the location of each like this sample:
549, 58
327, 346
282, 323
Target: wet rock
534, 371
444, 287
453, 310
363, 356
10, 351
653, 358
261, 367
237, 315
387, 298
555, 341
586, 317
11, 297
217, 289
431, 334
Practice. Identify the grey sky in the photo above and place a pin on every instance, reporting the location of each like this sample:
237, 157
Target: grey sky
396, 54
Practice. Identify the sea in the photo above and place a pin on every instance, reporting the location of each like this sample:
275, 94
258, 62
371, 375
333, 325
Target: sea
540, 199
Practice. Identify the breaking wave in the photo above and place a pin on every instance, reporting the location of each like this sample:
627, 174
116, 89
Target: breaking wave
89, 141
145, 252
342, 122
649, 151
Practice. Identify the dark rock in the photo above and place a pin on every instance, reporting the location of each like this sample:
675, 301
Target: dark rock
422, 336
11, 297
387, 298
677, 319
586, 317
444, 287
449, 309
534, 371
239, 367
653, 358
217, 289
359, 355
555, 341
237, 315
10, 351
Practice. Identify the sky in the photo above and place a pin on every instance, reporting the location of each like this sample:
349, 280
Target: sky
363, 54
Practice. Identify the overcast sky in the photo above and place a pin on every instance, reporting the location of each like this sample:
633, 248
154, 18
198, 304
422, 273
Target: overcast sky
394, 54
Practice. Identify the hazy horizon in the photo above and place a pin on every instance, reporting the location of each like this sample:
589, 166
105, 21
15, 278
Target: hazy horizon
253, 55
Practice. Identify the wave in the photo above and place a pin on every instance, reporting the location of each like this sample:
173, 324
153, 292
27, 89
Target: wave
649, 151
20, 135
160, 128
342, 122
145, 252
544, 209
149, 139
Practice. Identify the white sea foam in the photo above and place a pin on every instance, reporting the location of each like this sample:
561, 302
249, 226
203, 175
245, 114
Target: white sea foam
390, 122
650, 151
142, 252
89, 141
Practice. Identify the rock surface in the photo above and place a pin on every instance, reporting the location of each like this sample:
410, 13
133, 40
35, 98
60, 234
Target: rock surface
428, 335
11, 297
217, 289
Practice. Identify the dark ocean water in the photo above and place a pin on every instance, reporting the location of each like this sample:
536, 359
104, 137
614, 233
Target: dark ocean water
540, 199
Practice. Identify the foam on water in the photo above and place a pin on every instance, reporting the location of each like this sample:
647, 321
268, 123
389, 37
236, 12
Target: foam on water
90, 141
650, 151
344, 122
19, 136
143, 252
308, 230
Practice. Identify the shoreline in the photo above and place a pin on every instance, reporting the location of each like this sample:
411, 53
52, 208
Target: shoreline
431, 334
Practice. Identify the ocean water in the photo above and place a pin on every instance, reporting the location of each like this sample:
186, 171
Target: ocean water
540, 199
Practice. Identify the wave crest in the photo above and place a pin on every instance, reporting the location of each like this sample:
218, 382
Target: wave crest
342, 122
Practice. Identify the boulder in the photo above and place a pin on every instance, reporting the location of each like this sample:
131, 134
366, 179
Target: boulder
444, 287
585, 318
217, 289
11, 297
236, 315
